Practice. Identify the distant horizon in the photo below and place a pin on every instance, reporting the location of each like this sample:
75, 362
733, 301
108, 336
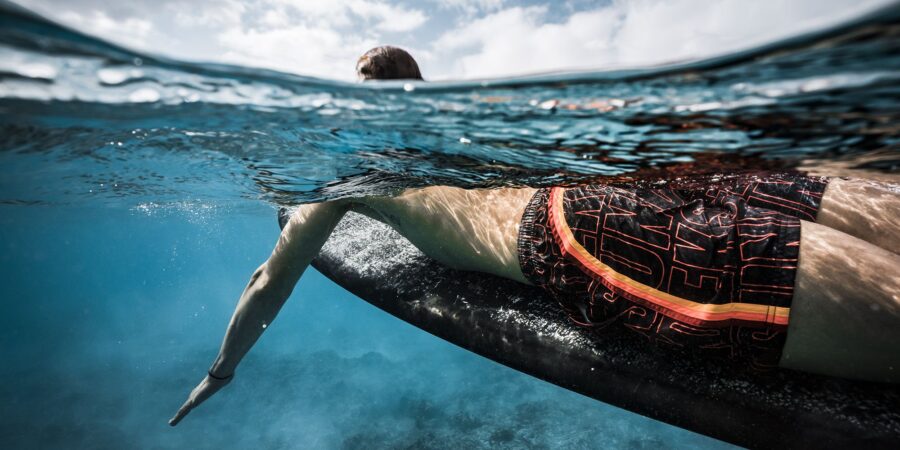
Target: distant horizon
454, 40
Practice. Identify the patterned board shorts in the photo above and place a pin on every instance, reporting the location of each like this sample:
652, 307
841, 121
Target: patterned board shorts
706, 269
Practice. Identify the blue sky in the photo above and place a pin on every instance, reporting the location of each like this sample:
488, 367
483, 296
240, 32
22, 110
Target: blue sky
452, 39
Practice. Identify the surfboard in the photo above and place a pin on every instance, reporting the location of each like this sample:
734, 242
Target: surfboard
522, 327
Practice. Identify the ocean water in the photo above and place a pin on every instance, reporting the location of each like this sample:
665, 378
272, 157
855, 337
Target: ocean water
137, 195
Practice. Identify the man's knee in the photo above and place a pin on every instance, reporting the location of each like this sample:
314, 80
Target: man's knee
845, 314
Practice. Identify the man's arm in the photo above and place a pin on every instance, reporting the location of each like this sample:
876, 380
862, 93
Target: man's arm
265, 294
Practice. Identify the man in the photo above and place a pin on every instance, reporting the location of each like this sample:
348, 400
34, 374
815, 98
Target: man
794, 271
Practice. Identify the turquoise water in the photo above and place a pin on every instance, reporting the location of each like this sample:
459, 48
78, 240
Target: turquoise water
137, 194
111, 317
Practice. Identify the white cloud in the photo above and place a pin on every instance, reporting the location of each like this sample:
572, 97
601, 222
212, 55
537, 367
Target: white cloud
464, 39
342, 13
131, 32
471, 7
215, 13
516, 41
313, 37
316, 38
314, 51
388, 18
519, 40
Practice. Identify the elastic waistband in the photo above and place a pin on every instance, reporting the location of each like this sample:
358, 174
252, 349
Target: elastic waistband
525, 240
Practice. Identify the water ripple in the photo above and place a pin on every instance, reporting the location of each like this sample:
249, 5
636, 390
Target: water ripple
78, 115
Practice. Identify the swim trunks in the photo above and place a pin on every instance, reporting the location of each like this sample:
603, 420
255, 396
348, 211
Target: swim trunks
707, 269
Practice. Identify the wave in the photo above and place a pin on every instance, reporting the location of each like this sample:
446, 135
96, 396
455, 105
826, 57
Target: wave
84, 120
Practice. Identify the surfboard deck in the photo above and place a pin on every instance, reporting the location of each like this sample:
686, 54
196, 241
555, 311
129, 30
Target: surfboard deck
522, 327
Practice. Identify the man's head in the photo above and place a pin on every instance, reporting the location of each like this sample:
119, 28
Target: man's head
387, 63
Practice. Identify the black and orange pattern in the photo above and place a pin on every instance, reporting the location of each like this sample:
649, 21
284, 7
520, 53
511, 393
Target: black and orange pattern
734, 242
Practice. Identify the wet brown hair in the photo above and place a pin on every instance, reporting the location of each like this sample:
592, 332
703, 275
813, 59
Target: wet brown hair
387, 63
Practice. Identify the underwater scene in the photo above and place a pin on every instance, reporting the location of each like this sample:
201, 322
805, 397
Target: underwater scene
139, 193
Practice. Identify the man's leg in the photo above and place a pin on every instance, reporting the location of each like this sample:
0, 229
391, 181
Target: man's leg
845, 316
869, 210
465, 229
477, 229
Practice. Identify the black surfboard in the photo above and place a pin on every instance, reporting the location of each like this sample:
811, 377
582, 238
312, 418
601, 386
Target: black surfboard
523, 328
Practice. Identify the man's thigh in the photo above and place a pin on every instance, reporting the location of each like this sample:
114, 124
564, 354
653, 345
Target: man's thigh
467, 229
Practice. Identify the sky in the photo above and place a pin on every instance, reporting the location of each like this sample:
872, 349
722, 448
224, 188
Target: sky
451, 39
